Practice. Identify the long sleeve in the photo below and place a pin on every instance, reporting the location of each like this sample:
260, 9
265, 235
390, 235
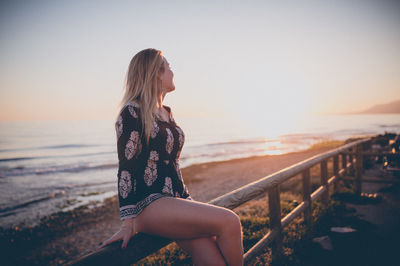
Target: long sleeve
129, 143
147, 172
129, 147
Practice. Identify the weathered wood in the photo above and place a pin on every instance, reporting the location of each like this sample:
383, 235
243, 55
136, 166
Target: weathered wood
374, 180
274, 204
307, 201
361, 158
268, 238
336, 171
333, 180
293, 214
324, 182
368, 153
358, 170
252, 190
341, 173
348, 168
344, 162
351, 159
140, 246
260, 246
318, 193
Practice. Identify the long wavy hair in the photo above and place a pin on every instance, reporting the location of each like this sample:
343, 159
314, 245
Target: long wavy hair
142, 85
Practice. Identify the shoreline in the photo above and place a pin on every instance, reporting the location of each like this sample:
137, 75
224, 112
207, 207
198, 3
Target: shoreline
71, 234
190, 174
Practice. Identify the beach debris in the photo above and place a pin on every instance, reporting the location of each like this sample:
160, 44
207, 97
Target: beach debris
324, 241
343, 229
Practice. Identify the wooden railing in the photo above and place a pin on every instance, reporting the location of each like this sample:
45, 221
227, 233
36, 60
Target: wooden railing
142, 245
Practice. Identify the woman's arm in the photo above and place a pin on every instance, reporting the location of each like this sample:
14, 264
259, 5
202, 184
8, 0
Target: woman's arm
129, 147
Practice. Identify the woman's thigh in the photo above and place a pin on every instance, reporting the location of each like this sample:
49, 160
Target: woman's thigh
178, 218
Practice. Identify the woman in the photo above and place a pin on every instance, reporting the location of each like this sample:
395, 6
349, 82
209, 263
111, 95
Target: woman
152, 195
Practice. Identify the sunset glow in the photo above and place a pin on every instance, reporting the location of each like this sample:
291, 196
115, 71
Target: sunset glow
276, 59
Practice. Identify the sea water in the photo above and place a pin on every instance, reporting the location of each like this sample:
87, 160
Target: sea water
52, 166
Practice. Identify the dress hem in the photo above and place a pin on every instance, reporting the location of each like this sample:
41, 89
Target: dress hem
131, 211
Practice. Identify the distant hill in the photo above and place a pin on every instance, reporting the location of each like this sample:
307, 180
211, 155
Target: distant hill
387, 108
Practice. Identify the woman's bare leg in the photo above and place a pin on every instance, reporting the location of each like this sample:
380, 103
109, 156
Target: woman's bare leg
204, 251
181, 219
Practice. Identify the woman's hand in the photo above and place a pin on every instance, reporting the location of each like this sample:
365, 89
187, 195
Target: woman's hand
125, 233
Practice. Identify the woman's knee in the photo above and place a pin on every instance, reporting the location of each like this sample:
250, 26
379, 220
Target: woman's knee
186, 219
235, 222
230, 222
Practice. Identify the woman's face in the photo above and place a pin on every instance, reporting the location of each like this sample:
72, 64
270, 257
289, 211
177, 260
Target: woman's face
167, 78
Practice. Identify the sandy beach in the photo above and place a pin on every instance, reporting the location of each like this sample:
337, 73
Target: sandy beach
65, 236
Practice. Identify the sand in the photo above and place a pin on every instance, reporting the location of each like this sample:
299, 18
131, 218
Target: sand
63, 237
210, 180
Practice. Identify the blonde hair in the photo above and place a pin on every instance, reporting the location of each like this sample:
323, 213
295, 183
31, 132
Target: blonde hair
142, 85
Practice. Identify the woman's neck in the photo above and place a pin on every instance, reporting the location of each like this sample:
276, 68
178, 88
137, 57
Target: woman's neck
160, 99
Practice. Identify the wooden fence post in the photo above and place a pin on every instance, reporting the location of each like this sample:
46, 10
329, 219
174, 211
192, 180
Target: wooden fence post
336, 172
143, 245
274, 203
358, 169
307, 200
324, 182
344, 163
361, 158
351, 170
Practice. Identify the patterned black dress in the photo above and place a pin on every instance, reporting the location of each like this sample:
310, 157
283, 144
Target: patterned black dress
147, 173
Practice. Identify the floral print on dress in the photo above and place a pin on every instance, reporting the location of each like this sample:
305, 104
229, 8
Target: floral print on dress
153, 170
133, 146
170, 141
132, 111
118, 126
168, 186
154, 156
181, 140
181, 136
125, 184
154, 130
177, 169
150, 173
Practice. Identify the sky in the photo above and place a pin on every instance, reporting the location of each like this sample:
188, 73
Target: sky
67, 60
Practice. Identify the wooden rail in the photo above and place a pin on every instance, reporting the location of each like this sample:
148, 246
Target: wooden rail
142, 245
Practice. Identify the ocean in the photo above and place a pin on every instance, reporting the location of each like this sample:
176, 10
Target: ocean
52, 166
